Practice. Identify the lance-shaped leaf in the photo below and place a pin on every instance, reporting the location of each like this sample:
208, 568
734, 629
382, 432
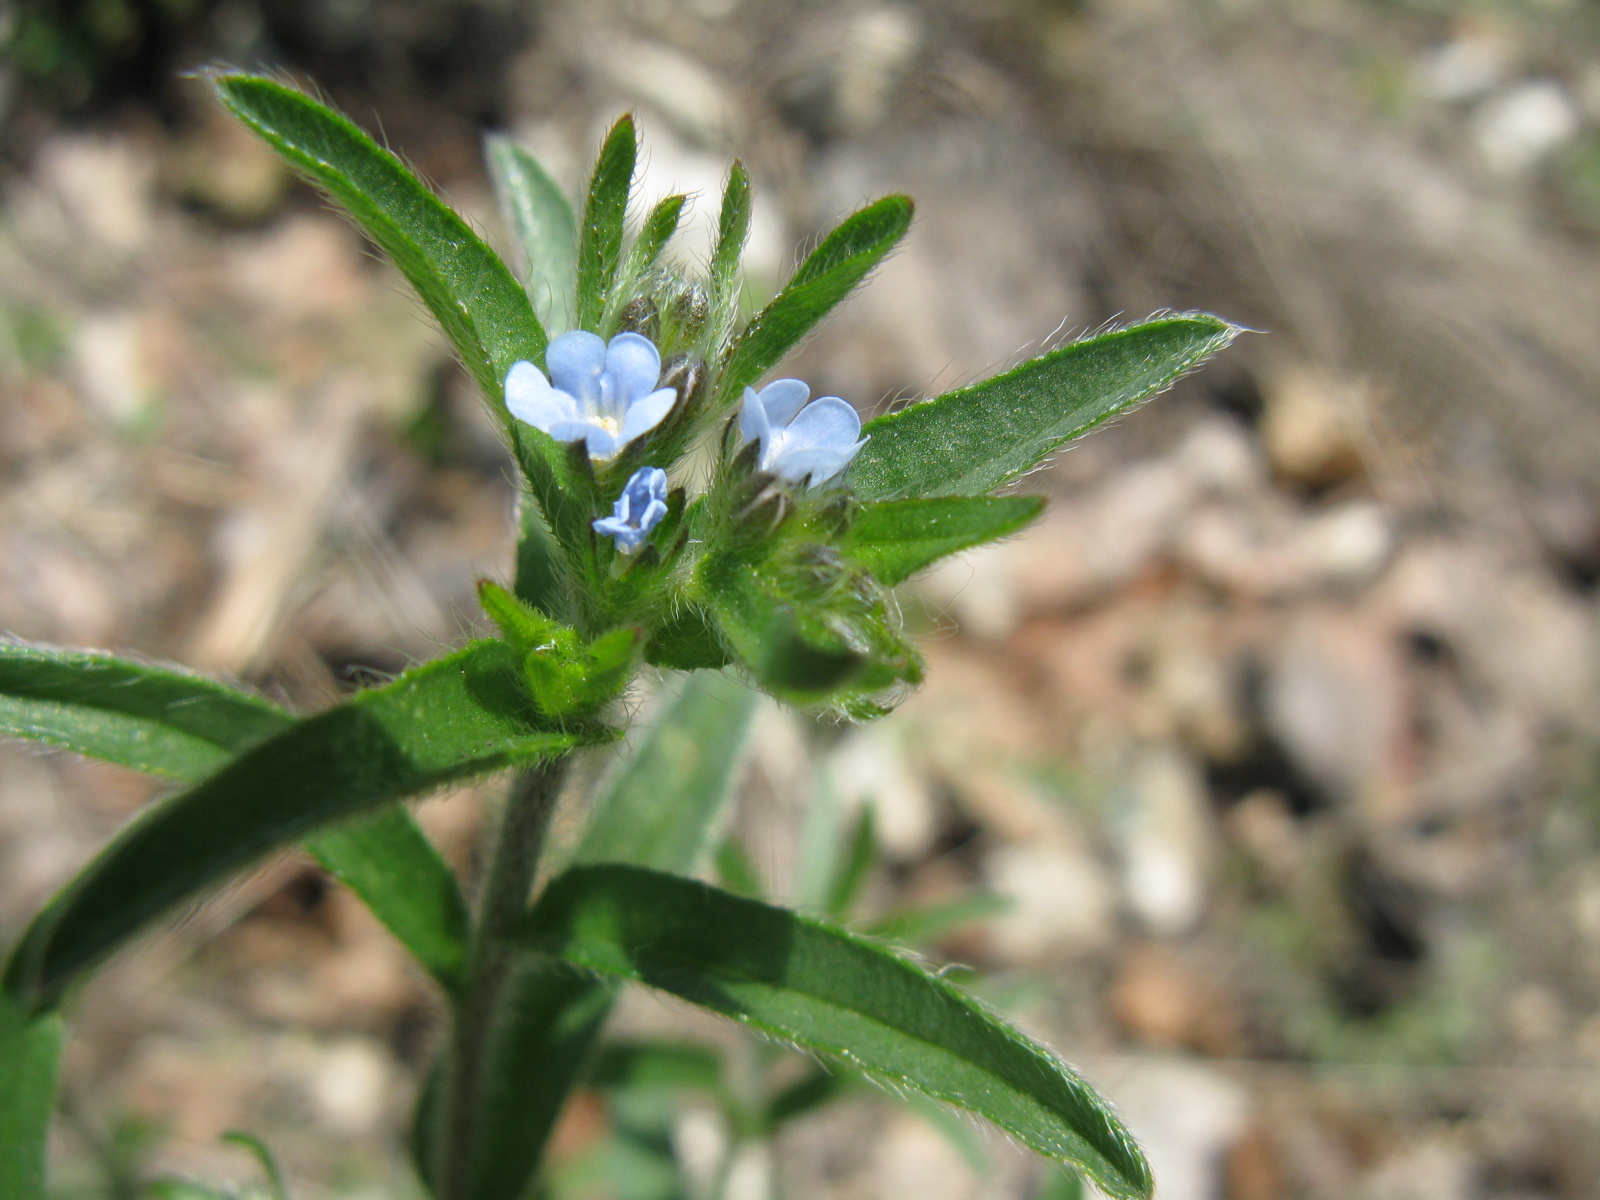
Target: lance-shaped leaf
161, 720
471, 293
661, 809
733, 231
895, 539
172, 723
545, 226
837, 995
604, 211
543, 1034
654, 235
30, 1053
389, 862
458, 716
826, 277
971, 441
669, 795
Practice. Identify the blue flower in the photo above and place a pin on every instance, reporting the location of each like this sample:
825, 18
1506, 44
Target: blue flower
800, 443
603, 395
638, 510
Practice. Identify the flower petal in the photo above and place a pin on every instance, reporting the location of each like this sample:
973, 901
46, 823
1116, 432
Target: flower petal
826, 423
634, 365
753, 423
815, 464
646, 414
783, 398
576, 359
530, 397
600, 441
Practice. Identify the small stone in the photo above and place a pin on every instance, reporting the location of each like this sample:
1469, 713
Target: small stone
1262, 824
1311, 424
352, 1086
1061, 900
1166, 842
1462, 69
870, 766
1535, 1015
1159, 1000
1185, 1115
914, 1159
1344, 545
1336, 698
1518, 128
1430, 1170
113, 367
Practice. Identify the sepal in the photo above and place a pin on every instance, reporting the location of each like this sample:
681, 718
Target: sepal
564, 675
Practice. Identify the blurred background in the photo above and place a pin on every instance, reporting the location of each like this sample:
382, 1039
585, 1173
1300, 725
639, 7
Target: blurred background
1271, 751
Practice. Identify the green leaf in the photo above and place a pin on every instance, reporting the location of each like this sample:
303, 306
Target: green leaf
161, 720
831, 993
169, 722
389, 862
30, 1052
545, 226
809, 627
733, 231
656, 232
894, 539
912, 926
471, 293
657, 1065
852, 873
458, 716
663, 805
687, 641
831, 273
974, 440
734, 871
600, 239
265, 1159
544, 1031
539, 571
817, 1087
659, 810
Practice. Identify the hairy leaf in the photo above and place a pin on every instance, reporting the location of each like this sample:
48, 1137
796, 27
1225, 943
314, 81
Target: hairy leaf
895, 539
545, 226
389, 862
169, 722
543, 1035
30, 1052
657, 1064
809, 627
475, 299
161, 720
834, 994
458, 716
657, 231
687, 642
600, 239
823, 280
660, 809
971, 441
733, 231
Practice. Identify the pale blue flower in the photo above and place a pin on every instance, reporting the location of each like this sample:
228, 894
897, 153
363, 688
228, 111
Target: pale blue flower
603, 395
800, 443
638, 510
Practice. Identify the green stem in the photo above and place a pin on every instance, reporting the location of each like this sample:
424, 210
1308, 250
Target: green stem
504, 899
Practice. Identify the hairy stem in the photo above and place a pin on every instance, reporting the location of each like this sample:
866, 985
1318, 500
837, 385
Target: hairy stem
504, 899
